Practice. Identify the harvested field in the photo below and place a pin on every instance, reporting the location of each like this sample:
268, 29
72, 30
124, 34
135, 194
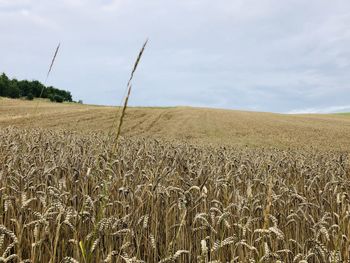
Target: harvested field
195, 125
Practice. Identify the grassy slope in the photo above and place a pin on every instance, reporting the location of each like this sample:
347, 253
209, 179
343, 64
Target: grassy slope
186, 123
344, 113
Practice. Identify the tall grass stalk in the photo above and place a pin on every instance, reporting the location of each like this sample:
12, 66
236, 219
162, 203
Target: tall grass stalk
129, 86
47, 77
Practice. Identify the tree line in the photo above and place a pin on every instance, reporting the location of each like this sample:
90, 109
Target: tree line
13, 88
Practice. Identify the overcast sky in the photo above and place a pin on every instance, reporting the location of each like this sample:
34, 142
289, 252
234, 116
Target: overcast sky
261, 55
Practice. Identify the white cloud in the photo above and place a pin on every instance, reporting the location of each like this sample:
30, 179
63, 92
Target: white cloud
112, 5
330, 109
14, 3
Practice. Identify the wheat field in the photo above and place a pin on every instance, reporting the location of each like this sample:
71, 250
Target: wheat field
66, 196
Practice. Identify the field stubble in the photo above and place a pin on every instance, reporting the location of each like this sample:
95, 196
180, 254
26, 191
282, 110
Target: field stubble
195, 125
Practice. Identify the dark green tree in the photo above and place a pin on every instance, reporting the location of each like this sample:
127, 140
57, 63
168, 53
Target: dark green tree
25, 88
13, 88
13, 91
29, 96
58, 98
4, 85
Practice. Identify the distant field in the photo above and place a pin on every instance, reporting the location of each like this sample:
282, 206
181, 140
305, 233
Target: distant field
203, 125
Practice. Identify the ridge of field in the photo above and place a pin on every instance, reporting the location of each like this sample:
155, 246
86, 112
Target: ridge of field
213, 126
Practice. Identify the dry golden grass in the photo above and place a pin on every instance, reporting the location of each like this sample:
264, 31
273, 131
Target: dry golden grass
329, 132
65, 197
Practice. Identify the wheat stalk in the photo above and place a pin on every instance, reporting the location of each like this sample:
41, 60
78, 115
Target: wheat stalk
121, 118
47, 77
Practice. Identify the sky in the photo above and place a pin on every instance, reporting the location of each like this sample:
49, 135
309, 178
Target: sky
290, 56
